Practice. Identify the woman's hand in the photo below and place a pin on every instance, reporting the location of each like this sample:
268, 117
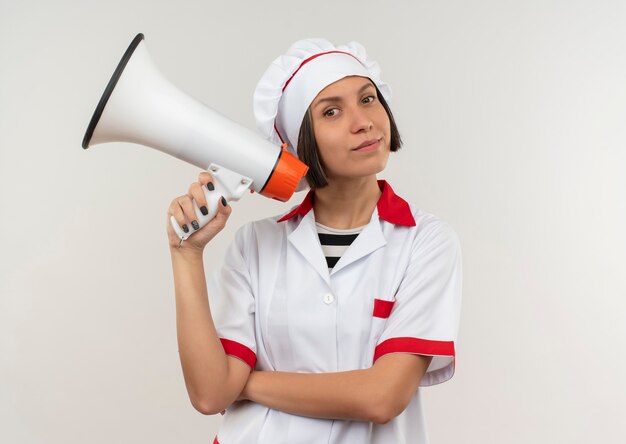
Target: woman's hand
245, 394
183, 211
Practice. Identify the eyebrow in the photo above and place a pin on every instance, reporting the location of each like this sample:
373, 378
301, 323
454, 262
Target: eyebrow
339, 99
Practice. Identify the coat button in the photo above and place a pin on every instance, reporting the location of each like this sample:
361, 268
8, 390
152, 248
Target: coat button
329, 298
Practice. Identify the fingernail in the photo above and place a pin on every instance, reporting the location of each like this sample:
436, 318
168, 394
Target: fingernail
204, 210
210, 186
195, 225
185, 228
224, 201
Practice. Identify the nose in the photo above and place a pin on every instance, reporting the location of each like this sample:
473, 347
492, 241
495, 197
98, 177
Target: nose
361, 121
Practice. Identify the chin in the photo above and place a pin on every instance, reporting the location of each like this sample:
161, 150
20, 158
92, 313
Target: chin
362, 173
379, 166
360, 170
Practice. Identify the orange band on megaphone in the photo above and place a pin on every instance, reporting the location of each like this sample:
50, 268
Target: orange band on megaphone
288, 172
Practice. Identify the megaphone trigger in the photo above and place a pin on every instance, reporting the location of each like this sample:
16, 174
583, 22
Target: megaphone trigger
228, 184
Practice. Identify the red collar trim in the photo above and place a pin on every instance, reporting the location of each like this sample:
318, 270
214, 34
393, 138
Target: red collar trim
391, 207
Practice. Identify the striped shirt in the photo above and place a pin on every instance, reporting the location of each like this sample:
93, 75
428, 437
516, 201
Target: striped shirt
335, 242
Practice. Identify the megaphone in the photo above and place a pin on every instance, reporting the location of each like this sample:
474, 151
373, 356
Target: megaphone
140, 105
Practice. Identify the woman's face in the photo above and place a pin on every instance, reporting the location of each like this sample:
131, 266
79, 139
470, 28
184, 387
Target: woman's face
351, 128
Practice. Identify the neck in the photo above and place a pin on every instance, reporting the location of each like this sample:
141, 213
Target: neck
346, 204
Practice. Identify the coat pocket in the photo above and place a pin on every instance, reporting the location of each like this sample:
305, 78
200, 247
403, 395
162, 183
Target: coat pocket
382, 308
380, 314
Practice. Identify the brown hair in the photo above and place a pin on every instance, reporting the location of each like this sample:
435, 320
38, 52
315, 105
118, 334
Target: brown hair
309, 153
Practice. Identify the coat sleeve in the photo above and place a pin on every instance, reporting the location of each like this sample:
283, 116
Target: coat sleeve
424, 316
232, 301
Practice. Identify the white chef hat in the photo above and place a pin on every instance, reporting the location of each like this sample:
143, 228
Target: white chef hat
293, 80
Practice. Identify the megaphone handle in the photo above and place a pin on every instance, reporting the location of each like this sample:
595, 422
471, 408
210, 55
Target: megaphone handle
227, 184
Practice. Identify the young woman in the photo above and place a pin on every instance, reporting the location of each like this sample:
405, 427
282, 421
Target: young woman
326, 320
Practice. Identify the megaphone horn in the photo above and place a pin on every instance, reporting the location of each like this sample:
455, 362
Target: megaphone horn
140, 105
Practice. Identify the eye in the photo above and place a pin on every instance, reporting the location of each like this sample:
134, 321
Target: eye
331, 112
369, 99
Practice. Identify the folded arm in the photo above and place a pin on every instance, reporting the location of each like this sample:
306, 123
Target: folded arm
377, 394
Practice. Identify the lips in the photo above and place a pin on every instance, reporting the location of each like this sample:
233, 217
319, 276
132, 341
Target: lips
366, 144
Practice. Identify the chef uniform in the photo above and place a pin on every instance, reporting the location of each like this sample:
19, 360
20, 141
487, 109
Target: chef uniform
278, 307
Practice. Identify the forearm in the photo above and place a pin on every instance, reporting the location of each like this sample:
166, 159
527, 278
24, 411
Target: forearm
377, 394
350, 395
204, 363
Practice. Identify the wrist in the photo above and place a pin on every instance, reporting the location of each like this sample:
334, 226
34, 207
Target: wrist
186, 253
247, 392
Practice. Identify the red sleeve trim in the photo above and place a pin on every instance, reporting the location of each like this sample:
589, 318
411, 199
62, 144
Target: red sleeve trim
240, 351
414, 345
382, 309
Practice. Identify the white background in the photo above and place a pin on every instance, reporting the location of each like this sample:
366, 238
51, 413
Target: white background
513, 115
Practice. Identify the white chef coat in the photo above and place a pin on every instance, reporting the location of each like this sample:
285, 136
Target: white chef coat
276, 306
